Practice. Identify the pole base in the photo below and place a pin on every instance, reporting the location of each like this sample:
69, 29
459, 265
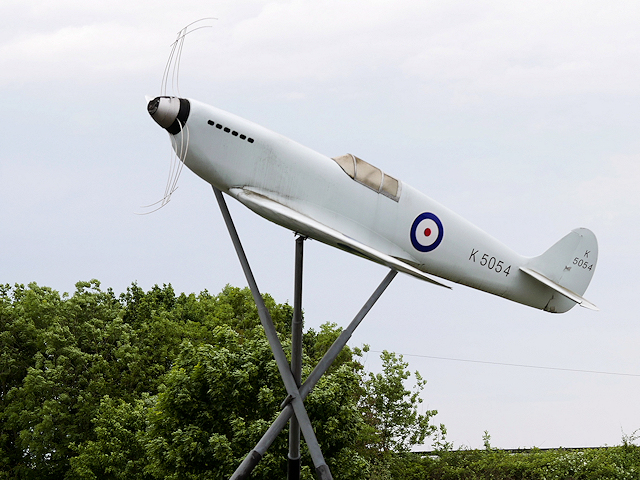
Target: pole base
293, 469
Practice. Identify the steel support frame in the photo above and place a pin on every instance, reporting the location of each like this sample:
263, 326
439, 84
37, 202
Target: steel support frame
293, 464
293, 407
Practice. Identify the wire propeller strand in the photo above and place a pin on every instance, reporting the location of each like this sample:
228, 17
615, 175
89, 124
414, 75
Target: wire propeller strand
172, 67
180, 145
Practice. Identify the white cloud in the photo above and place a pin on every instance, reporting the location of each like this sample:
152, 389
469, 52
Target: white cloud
469, 49
613, 193
533, 49
87, 41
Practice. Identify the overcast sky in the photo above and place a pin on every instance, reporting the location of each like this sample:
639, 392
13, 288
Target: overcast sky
521, 116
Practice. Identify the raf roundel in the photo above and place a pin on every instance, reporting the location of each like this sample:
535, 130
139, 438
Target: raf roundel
426, 232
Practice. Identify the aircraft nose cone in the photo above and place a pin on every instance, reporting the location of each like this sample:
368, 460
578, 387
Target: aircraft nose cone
170, 113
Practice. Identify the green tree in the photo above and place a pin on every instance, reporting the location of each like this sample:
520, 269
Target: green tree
54, 393
221, 397
165, 330
150, 385
391, 410
118, 449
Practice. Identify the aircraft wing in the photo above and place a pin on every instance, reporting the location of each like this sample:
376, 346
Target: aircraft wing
289, 218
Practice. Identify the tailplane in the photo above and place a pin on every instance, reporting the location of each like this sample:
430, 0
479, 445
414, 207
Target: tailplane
567, 267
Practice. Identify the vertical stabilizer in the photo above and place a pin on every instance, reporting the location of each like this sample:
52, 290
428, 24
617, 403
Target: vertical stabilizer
567, 267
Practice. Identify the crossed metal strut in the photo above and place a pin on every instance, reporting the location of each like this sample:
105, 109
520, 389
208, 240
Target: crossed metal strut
293, 407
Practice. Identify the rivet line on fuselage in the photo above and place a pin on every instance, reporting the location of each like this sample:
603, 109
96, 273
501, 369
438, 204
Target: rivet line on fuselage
228, 130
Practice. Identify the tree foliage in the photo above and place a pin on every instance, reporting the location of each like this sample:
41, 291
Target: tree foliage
154, 385
392, 410
151, 385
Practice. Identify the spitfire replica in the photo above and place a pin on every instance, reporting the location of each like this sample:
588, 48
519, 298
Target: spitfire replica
349, 204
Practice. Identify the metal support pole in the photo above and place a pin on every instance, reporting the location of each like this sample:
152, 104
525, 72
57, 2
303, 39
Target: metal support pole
251, 460
293, 465
322, 470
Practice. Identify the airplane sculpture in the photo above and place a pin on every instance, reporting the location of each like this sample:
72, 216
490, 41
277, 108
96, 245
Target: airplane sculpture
348, 203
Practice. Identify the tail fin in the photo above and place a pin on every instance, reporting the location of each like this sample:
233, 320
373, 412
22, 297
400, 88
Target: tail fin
567, 267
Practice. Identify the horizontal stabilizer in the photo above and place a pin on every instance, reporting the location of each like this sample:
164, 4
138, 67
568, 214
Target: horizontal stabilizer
583, 302
296, 221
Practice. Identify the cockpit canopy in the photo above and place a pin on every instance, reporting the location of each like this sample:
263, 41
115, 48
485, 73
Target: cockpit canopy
369, 176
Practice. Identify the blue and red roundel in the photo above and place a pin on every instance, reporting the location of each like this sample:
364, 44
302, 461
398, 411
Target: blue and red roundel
426, 232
